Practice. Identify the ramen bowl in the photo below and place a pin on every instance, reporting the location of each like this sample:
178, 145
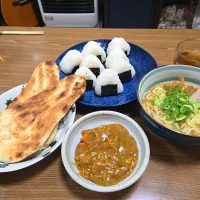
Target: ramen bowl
166, 74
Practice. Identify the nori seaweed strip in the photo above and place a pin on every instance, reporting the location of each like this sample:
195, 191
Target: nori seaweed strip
99, 57
126, 52
89, 85
108, 90
125, 76
96, 71
75, 68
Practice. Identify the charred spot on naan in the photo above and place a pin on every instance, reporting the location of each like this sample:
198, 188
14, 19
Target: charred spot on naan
78, 85
61, 95
19, 155
50, 63
65, 108
70, 78
24, 114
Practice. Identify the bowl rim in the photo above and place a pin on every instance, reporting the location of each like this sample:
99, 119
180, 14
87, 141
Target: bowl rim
165, 66
97, 188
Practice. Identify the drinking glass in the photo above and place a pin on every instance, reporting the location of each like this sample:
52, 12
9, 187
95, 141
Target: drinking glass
188, 52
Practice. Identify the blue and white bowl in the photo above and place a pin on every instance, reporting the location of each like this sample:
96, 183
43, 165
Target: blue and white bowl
165, 74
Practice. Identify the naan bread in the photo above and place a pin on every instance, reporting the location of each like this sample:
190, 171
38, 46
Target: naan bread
51, 137
45, 75
26, 126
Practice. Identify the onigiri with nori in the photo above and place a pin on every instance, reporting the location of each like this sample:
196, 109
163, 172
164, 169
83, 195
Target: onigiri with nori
123, 68
88, 75
94, 48
119, 43
71, 61
114, 54
108, 83
93, 63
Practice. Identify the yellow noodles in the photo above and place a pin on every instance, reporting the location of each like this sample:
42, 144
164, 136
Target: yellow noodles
190, 126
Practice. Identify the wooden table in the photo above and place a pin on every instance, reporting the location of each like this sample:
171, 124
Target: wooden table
173, 171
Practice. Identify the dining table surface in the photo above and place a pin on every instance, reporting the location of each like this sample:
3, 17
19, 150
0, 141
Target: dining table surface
173, 172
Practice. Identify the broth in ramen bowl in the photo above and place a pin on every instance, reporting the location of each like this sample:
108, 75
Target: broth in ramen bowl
169, 103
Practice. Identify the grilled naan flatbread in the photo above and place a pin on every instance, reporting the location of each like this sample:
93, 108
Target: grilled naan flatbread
26, 126
51, 137
45, 75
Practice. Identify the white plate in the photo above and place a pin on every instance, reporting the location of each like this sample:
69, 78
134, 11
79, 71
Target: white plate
64, 124
95, 119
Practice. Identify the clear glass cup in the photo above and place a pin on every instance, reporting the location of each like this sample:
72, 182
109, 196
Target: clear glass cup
188, 52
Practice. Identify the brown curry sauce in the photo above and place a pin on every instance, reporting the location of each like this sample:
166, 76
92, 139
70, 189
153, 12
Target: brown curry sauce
106, 155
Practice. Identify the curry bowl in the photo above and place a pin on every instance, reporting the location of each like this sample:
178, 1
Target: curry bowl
161, 75
95, 119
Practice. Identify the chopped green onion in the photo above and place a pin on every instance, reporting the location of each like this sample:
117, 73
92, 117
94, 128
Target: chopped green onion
180, 117
186, 109
177, 105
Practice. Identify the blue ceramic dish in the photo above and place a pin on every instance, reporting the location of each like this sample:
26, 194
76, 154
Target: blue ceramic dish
160, 75
142, 61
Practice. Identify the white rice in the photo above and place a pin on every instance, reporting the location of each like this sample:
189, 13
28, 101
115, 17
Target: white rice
120, 65
120, 43
72, 59
87, 74
108, 77
94, 48
91, 61
114, 54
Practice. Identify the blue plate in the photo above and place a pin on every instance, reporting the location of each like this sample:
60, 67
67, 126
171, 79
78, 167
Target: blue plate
142, 61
